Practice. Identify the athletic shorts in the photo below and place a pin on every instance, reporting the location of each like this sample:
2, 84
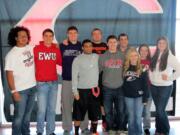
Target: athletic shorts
87, 102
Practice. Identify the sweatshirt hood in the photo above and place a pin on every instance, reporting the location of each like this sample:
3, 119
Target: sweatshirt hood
53, 45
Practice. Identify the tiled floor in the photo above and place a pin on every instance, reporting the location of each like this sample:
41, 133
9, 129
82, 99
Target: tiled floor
175, 129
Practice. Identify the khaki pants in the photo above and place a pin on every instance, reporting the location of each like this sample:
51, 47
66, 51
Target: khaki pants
67, 105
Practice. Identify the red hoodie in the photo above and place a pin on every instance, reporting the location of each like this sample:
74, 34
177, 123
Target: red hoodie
46, 59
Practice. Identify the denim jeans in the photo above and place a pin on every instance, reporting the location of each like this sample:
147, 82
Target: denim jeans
125, 115
161, 95
46, 101
147, 114
22, 112
113, 97
134, 109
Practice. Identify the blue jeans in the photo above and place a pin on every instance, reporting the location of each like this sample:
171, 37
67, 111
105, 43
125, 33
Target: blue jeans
113, 97
147, 114
46, 101
134, 109
161, 95
22, 112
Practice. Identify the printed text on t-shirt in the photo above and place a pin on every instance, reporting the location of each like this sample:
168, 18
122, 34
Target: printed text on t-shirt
113, 63
28, 61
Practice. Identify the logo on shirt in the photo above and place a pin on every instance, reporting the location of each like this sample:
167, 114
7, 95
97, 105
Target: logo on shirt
113, 63
131, 76
71, 53
46, 56
140, 92
28, 61
99, 50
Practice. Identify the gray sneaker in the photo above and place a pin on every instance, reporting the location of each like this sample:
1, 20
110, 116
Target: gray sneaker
125, 133
86, 131
66, 132
111, 132
120, 132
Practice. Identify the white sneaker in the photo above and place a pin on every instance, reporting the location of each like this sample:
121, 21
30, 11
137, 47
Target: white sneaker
125, 132
119, 132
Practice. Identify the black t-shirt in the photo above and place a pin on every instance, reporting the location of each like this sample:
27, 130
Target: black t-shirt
99, 48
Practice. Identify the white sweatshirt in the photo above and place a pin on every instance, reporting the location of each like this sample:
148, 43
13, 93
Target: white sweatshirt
156, 75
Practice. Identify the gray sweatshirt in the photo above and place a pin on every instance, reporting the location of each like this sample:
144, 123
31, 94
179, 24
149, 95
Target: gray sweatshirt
111, 64
85, 72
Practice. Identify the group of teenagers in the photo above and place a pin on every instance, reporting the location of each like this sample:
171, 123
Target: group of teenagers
110, 81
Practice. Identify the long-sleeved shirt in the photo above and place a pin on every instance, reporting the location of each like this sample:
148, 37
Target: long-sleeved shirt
69, 52
46, 59
85, 72
156, 75
136, 85
111, 64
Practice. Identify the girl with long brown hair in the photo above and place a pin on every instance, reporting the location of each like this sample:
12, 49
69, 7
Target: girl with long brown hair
164, 68
145, 55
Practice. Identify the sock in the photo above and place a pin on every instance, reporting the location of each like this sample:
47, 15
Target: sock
103, 118
94, 128
76, 130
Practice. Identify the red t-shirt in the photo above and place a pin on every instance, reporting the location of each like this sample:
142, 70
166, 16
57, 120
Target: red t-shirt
46, 59
146, 64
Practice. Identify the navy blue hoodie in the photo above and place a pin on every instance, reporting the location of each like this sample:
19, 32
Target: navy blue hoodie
135, 85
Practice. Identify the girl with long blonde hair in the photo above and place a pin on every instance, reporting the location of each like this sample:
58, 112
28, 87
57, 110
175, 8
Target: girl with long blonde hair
135, 90
127, 62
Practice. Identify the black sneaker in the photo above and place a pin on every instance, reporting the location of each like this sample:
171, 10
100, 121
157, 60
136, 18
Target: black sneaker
146, 132
39, 133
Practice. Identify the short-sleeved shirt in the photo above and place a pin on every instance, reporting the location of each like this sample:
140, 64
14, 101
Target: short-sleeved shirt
20, 60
